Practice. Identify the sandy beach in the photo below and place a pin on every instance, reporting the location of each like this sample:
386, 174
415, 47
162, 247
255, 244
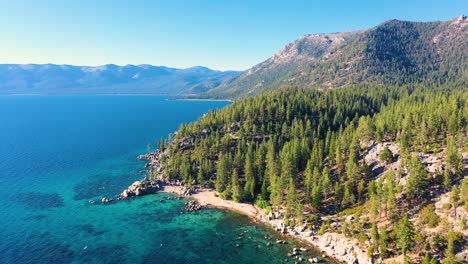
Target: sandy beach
207, 197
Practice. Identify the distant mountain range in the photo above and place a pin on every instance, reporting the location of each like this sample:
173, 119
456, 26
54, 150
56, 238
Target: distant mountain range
394, 52
108, 79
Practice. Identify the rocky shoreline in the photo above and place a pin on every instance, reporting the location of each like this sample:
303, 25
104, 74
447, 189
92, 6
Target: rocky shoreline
332, 245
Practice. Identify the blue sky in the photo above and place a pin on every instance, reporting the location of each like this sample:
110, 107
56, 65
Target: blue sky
222, 34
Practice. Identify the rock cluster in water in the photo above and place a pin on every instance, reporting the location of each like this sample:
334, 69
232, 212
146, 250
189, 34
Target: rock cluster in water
193, 205
142, 187
296, 252
106, 200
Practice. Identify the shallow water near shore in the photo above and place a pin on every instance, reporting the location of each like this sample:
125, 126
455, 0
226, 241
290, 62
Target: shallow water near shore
59, 152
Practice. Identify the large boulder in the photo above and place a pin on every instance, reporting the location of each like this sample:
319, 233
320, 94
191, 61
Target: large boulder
139, 188
193, 205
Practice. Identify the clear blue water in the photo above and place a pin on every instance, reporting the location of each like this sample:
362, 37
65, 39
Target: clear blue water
59, 152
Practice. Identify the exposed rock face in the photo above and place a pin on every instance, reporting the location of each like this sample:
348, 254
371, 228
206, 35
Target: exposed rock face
189, 191
338, 246
153, 159
140, 188
463, 256
372, 157
453, 215
434, 163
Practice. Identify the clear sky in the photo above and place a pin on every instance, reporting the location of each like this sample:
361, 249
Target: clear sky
220, 34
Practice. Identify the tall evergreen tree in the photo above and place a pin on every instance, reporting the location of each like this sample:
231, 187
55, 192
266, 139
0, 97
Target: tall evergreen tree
293, 206
348, 196
405, 234
250, 179
417, 178
223, 171
383, 242
235, 187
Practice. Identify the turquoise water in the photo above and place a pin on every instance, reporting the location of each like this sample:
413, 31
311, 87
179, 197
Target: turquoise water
59, 152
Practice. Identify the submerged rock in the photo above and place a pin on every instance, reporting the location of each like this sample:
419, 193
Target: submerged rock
106, 200
38, 200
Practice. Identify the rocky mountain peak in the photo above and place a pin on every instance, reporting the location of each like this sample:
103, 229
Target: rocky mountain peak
460, 21
310, 47
394, 52
461, 18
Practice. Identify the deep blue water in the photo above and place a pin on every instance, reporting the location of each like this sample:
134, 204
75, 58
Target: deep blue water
59, 152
